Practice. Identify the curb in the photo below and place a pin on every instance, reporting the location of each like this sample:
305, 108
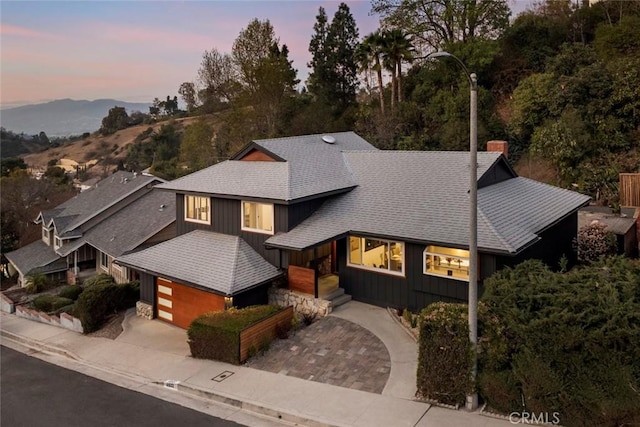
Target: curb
248, 406
37, 345
399, 323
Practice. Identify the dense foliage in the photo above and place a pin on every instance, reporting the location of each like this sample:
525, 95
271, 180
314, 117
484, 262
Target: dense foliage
594, 241
566, 343
444, 354
216, 335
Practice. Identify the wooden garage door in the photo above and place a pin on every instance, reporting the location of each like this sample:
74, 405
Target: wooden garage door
180, 304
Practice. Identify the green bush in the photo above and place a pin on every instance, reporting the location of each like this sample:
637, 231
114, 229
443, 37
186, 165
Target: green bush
50, 303
37, 283
66, 309
566, 343
444, 354
102, 298
216, 335
71, 292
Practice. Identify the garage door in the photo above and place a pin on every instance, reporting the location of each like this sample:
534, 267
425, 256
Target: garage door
180, 304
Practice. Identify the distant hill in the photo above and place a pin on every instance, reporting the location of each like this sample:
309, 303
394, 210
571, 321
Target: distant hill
63, 117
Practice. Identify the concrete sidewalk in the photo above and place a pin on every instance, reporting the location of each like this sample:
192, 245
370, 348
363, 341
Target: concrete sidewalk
151, 364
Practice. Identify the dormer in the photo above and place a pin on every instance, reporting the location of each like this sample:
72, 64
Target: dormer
47, 234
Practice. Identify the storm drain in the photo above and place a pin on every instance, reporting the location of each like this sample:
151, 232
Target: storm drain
221, 377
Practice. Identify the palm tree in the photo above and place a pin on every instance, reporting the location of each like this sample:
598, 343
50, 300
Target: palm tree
398, 47
373, 46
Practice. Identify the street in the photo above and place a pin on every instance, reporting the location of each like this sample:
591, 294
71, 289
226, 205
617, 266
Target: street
35, 393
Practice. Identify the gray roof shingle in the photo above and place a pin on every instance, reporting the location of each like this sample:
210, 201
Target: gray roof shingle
129, 227
423, 196
36, 257
311, 167
219, 262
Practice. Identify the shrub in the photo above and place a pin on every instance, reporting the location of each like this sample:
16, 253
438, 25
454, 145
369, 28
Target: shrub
566, 343
216, 335
37, 283
594, 241
49, 303
308, 318
103, 297
444, 354
69, 309
72, 292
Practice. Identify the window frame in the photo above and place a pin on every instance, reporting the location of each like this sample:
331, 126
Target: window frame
57, 242
380, 270
257, 230
186, 209
104, 267
427, 252
46, 236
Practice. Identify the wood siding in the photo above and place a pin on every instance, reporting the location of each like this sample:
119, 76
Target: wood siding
257, 156
630, 190
187, 303
266, 330
298, 212
301, 279
148, 289
415, 291
497, 173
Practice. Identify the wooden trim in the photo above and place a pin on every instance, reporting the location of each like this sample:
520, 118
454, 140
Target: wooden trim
265, 330
301, 279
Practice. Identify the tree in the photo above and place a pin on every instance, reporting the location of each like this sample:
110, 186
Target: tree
438, 22
371, 50
114, 121
218, 77
396, 47
188, 93
319, 64
11, 163
251, 47
196, 147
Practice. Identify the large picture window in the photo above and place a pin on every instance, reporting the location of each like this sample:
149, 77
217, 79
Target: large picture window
197, 209
257, 217
446, 262
384, 256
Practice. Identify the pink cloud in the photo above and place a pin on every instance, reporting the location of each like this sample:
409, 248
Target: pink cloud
12, 30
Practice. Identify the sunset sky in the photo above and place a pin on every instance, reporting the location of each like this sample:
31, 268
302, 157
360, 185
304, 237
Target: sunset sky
138, 50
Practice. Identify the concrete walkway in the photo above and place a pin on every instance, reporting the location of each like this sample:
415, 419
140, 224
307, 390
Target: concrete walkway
154, 359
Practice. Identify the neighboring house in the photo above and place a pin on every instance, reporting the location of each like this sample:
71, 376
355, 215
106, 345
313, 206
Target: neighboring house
389, 227
82, 236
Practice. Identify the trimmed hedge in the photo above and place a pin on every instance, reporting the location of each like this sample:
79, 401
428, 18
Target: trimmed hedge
566, 343
103, 297
216, 335
50, 303
71, 291
444, 354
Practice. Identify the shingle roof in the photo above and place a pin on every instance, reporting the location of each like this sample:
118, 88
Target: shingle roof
75, 211
225, 264
130, 226
36, 257
423, 196
311, 167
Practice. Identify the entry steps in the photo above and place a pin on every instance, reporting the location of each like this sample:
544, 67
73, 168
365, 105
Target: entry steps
337, 297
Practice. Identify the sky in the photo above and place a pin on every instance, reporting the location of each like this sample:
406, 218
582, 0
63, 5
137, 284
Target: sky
139, 50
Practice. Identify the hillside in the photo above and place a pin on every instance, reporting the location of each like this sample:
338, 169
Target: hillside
63, 117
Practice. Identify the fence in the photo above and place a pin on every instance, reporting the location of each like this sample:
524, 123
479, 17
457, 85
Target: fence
264, 331
630, 190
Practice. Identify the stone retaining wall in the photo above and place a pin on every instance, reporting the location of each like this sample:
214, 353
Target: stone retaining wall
144, 310
301, 303
64, 321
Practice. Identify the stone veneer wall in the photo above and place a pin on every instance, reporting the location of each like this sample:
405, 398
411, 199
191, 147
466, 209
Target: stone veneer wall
144, 310
301, 303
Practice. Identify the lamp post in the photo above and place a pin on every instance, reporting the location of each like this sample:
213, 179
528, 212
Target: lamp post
472, 399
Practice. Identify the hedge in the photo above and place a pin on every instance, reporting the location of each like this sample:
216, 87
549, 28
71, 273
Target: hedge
103, 297
444, 354
216, 335
566, 343
71, 291
50, 303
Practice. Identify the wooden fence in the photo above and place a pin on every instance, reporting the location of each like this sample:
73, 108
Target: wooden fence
301, 279
630, 190
256, 335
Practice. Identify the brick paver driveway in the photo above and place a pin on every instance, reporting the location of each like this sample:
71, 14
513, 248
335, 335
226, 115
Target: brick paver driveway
332, 351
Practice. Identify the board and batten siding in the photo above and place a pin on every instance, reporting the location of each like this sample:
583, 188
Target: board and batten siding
414, 291
148, 289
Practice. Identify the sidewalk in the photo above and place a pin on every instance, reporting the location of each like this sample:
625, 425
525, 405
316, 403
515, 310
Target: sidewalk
143, 363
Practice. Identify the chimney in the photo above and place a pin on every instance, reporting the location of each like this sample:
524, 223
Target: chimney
499, 146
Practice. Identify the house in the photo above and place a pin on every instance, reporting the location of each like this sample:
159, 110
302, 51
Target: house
335, 214
82, 236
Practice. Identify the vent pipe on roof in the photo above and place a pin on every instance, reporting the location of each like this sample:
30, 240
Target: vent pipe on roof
328, 139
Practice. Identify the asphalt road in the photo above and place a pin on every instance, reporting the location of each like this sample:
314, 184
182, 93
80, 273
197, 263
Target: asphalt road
34, 393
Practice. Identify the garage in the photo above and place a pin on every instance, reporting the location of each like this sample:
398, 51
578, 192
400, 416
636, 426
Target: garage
179, 304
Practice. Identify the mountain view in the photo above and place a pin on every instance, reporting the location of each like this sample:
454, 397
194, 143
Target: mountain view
62, 117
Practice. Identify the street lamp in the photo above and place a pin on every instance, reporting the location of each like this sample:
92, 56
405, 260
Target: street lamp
472, 400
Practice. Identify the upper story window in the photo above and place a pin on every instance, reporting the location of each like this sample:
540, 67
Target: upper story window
197, 209
46, 236
382, 256
446, 262
57, 242
257, 217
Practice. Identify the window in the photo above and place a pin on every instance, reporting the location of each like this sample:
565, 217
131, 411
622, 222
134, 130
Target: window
104, 261
257, 217
197, 209
45, 236
446, 262
385, 256
57, 242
